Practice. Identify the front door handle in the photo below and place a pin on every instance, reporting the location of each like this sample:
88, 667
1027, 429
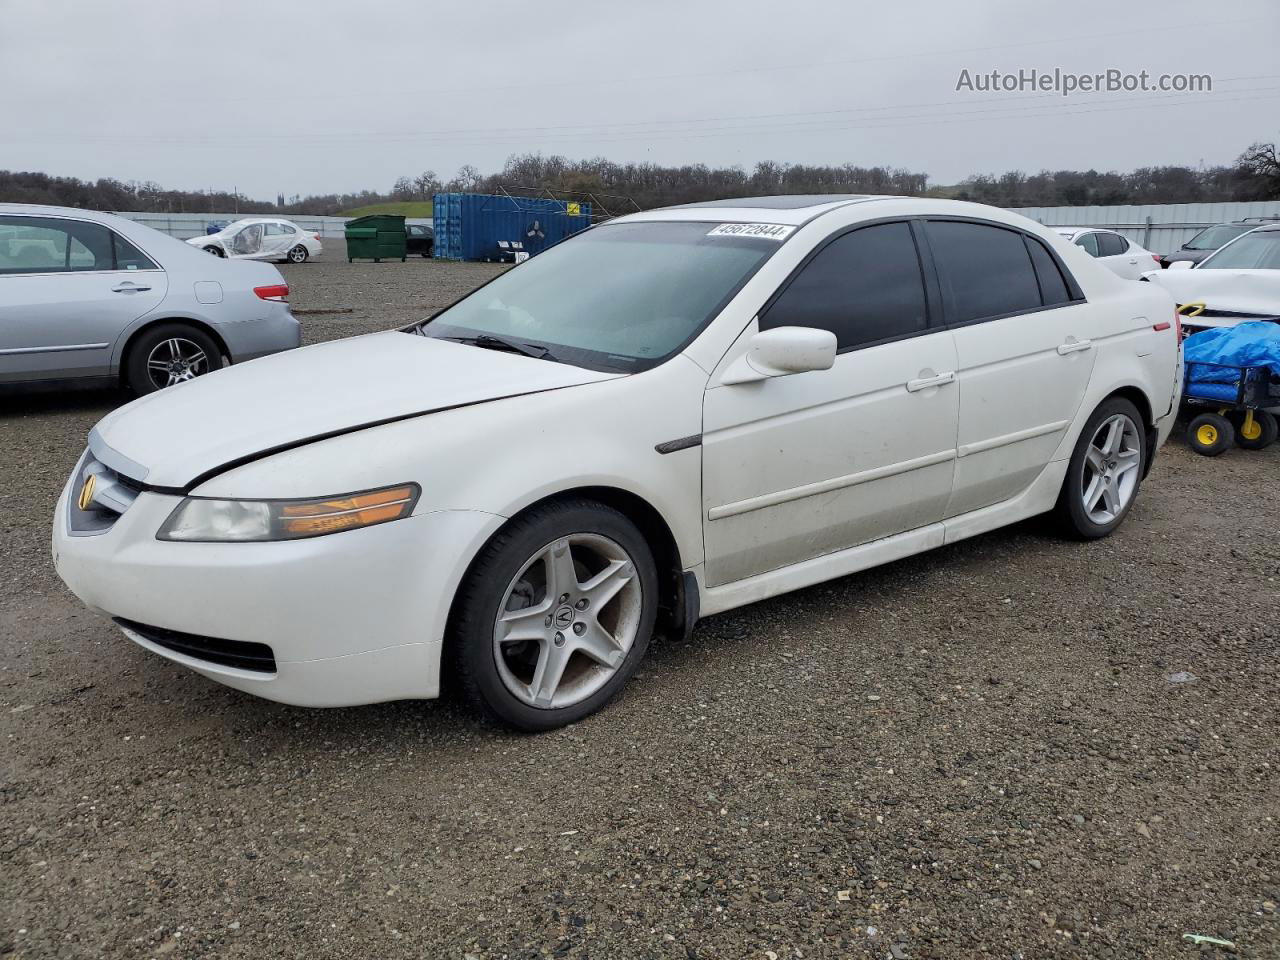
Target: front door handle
128, 287
924, 383
1074, 346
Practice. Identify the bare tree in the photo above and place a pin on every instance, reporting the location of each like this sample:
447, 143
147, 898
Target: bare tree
1260, 164
427, 184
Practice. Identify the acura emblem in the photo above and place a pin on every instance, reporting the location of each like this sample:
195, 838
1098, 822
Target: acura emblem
86, 492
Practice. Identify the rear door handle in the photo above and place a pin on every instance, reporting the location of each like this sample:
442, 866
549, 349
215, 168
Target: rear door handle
924, 383
1074, 346
127, 287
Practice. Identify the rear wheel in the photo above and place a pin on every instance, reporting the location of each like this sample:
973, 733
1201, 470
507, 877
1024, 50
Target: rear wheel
216, 251
1104, 472
1257, 432
555, 615
1210, 434
168, 354
298, 254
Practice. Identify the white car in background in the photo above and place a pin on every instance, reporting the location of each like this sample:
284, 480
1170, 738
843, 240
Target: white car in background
1114, 251
1239, 281
261, 238
741, 398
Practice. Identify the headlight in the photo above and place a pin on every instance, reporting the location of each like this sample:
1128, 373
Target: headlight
248, 521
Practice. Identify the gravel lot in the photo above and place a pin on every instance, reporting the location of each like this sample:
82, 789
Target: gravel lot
976, 752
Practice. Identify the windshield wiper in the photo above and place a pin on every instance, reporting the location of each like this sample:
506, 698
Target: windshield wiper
490, 342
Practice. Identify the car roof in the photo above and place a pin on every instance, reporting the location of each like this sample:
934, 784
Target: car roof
38, 210
792, 209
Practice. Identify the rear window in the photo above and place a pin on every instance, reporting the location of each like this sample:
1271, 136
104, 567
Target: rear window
985, 271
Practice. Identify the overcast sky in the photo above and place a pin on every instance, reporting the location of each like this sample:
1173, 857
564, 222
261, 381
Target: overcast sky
318, 96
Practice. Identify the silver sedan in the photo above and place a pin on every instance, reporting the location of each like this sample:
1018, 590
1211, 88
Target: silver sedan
88, 296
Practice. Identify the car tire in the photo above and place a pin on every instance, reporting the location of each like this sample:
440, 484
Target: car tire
215, 250
298, 254
564, 659
176, 344
1105, 471
1211, 434
1261, 436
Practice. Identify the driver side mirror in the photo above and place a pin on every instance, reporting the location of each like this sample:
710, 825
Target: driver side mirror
1181, 265
781, 352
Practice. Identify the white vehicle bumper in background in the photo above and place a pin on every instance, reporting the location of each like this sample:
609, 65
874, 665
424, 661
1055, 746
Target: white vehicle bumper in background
350, 618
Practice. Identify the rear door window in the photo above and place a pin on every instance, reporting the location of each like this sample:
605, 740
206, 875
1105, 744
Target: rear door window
985, 270
1089, 243
1111, 244
53, 245
864, 286
1053, 286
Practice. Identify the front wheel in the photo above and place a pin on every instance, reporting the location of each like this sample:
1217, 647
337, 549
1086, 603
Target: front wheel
1104, 472
555, 615
1210, 434
168, 354
298, 254
216, 251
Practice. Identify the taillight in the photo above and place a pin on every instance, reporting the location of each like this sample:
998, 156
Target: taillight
317, 236
1176, 325
1154, 256
279, 292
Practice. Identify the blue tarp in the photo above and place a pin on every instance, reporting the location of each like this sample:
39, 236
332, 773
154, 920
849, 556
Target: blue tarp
1215, 360
1252, 344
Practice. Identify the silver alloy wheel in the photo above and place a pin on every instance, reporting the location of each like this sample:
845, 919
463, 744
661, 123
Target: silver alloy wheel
175, 360
567, 621
298, 254
1110, 475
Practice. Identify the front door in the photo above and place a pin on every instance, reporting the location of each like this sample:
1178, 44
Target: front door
68, 289
800, 466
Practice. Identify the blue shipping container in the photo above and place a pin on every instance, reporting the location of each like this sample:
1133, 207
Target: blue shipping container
478, 226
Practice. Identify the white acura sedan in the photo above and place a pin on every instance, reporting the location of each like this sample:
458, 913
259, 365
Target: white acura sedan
667, 416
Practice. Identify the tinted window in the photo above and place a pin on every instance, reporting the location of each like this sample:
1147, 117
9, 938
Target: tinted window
1214, 237
275, 229
129, 257
1090, 244
1111, 244
864, 286
1257, 251
49, 245
1053, 288
985, 271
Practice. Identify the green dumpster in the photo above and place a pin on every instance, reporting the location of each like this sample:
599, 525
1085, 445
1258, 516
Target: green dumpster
377, 238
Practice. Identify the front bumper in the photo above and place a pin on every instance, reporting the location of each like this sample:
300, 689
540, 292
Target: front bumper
351, 618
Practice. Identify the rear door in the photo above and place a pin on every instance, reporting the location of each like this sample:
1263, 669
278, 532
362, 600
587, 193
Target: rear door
277, 240
1113, 250
68, 288
1023, 354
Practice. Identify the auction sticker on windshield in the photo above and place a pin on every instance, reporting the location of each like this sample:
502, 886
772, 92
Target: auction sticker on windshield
765, 231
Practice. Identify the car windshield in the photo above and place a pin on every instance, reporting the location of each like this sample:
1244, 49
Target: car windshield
622, 296
1214, 237
1258, 251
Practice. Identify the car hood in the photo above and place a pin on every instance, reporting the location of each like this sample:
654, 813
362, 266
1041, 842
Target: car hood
181, 435
1224, 291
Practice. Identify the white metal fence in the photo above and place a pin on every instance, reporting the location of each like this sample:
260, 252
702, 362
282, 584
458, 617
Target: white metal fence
1160, 227
184, 225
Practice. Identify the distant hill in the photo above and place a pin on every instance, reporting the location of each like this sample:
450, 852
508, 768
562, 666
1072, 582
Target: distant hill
413, 209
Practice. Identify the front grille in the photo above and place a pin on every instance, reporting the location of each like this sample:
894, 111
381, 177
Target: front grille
242, 654
111, 495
